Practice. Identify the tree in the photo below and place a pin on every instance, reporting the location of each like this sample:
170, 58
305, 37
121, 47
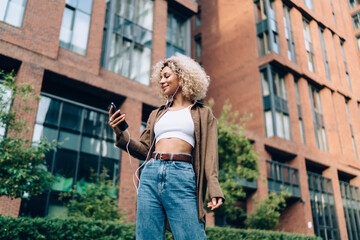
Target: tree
267, 213
98, 202
237, 159
22, 164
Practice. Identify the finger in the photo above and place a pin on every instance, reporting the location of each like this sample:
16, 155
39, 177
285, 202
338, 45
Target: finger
214, 201
110, 111
115, 114
117, 121
219, 203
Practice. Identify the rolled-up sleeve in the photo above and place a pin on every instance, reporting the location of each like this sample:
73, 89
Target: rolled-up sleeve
137, 148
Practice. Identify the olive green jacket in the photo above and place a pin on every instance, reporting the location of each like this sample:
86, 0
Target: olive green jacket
205, 151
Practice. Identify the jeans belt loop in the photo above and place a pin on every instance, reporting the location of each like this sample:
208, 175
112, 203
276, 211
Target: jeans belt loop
172, 155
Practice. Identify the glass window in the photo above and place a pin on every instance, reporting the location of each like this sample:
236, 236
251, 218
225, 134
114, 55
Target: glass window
12, 11
348, 80
309, 46
309, 4
198, 48
358, 41
318, 118
350, 196
289, 34
75, 25
323, 49
323, 207
87, 146
356, 20
5, 103
276, 110
351, 129
333, 12
266, 27
127, 45
301, 121
177, 34
198, 18
353, 3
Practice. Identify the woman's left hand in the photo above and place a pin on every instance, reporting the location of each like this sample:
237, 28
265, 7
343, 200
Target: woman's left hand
215, 203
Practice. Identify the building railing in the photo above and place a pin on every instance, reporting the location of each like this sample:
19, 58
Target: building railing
282, 177
247, 185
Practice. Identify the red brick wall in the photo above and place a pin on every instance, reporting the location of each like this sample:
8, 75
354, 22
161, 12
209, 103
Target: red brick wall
9, 207
230, 57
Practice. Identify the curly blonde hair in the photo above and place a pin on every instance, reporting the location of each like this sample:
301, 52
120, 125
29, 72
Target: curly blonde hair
193, 80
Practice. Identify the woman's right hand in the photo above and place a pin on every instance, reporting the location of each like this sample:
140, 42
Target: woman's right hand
115, 119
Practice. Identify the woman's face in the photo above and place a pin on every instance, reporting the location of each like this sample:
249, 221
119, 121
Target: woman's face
169, 81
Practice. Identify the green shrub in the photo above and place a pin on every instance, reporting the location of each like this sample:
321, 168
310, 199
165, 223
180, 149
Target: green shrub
237, 160
98, 202
267, 213
84, 228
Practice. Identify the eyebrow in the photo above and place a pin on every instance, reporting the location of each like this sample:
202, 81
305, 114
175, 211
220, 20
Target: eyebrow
166, 72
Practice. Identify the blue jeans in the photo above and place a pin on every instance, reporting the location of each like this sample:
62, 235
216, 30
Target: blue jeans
167, 188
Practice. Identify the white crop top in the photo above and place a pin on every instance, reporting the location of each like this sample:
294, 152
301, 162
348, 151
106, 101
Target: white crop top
176, 124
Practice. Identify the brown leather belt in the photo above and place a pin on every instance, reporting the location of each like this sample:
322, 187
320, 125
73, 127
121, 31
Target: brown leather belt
175, 157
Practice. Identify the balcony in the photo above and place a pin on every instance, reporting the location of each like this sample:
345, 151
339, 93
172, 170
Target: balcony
248, 186
282, 177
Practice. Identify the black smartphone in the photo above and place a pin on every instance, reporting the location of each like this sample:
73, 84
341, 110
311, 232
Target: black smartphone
123, 125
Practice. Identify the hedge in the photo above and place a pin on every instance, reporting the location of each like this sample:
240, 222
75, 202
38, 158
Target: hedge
23, 228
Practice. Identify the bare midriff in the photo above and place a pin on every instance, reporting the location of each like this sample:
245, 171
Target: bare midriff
173, 145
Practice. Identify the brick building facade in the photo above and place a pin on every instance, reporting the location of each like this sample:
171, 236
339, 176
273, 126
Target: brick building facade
292, 64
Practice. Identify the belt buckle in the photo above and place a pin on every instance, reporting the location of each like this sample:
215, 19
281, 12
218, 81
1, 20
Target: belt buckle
161, 156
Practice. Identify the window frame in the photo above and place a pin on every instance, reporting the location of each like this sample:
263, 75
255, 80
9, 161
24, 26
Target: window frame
187, 35
322, 197
275, 103
289, 34
70, 45
318, 118
267, 31
309, 46
21, 19
101, 156
126, 35
323, 50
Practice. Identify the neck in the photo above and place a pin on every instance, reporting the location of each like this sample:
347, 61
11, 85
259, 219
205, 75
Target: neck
180, 100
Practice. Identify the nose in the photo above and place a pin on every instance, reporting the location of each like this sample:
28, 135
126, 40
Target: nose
162, 80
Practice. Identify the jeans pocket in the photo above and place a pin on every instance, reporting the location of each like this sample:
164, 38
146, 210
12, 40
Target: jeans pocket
150, 162
184, 166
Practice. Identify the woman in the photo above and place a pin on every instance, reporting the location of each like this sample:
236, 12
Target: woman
184, 160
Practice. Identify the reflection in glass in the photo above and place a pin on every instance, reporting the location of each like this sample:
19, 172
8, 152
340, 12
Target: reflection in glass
48, 111
90, 145
109, 150
88, 167
5, 106
87, 143
69, 140
12, 11
64, 170
41, 131
71, 117
76, 25
92, 123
